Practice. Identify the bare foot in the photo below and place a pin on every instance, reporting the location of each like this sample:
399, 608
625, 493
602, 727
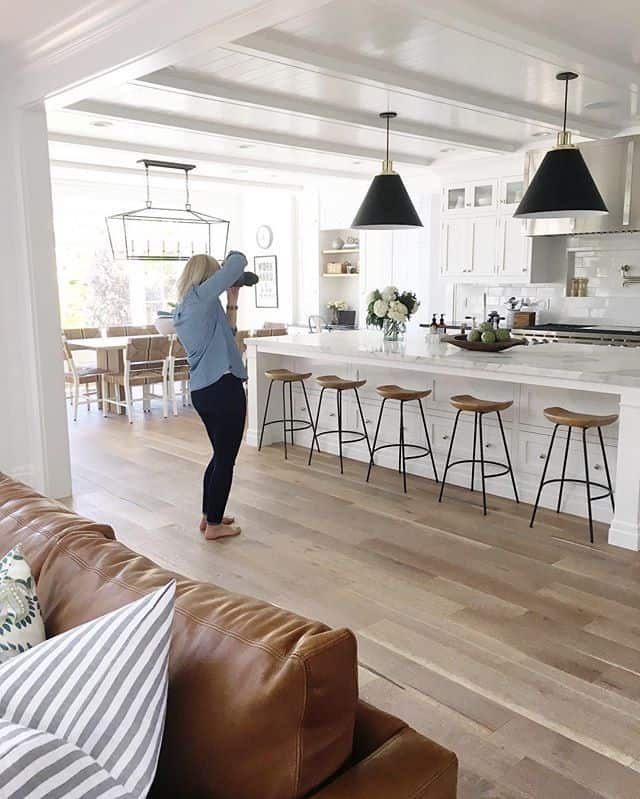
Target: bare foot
215, 531
225, 520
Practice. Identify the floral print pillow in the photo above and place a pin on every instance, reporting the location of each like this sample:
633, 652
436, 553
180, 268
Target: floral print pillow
21, 624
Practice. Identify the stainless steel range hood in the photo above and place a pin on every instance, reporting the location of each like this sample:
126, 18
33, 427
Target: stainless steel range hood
615, 167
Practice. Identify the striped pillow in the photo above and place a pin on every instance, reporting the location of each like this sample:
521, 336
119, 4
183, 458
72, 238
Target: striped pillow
82, 714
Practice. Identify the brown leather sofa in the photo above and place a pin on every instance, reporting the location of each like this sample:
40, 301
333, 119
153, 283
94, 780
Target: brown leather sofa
263, 704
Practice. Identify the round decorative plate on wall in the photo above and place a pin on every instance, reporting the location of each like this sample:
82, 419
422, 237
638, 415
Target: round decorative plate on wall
264, 237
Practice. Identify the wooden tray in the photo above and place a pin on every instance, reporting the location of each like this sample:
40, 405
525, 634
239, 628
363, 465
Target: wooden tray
480, 346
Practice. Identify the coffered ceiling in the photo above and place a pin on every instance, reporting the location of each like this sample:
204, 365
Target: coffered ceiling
467, 79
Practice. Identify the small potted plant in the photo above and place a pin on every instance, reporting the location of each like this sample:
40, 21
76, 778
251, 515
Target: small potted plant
390, 310
334, 307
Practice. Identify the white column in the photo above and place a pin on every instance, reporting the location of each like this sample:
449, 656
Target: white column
625, 527
34, 443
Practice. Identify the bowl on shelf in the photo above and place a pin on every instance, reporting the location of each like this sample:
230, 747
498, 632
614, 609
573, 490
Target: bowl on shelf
479, 346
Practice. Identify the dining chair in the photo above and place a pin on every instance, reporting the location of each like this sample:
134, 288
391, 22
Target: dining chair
76, 376
178, 373
131, 330
146, 363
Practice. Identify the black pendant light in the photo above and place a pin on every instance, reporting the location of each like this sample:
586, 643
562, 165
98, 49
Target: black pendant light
562, 185
387, 205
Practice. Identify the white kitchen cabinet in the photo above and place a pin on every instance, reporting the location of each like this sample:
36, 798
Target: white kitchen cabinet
511, 191
456, 250
469, 245
464, 199
484, 241
514, 248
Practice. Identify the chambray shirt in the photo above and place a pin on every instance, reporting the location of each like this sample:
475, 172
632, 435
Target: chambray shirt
202, 327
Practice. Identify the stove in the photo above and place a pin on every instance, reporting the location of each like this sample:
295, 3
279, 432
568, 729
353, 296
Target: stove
615, 335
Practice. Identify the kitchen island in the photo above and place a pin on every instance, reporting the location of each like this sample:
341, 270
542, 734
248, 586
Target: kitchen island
591, 379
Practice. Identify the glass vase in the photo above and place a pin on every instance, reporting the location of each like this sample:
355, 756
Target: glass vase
394, 331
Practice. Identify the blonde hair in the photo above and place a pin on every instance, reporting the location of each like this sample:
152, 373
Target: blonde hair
197, 269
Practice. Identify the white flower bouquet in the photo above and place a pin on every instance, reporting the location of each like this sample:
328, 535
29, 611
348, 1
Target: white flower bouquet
390, 310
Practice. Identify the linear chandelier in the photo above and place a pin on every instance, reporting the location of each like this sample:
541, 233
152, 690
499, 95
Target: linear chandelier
166, 234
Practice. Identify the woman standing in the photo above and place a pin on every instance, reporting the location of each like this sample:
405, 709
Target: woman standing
217, 374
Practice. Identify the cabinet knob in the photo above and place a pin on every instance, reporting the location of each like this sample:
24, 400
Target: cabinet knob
542, 457
524, 268
487, 446
332, 414
597, 467
445, 437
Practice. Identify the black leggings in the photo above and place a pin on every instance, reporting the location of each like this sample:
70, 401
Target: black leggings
222, 406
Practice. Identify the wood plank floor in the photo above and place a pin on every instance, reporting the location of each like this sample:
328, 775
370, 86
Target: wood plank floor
519, 649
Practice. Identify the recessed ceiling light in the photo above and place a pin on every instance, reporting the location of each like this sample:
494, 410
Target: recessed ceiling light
101, 123
447, 149
356, 162
245, 146
540, 133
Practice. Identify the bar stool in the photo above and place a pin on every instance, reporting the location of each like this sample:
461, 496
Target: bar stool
339, 384
465, 403
287, 378
403, 395
584, 421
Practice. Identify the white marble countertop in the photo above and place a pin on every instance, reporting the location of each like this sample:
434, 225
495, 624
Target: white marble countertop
583, 366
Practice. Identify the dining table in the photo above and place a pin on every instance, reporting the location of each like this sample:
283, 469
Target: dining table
110, 351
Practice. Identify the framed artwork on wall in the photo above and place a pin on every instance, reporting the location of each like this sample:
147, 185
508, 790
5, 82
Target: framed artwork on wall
266, 267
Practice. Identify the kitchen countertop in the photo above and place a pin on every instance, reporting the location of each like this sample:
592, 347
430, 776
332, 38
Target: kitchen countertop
612, 369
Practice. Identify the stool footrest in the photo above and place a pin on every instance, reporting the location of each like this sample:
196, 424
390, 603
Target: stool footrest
479, 462
577, 481
359, 436
423, 454
304, 424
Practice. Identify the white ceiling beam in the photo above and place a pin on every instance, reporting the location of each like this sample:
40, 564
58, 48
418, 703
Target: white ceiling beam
284, 48
113, 41
193, 124
473, 18
147, 151
184, 82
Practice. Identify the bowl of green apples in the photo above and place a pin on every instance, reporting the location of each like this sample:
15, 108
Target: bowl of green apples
485, 338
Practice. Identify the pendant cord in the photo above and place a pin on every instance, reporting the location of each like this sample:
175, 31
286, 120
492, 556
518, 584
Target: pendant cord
387, 156
146, 169
187, 204
566, 99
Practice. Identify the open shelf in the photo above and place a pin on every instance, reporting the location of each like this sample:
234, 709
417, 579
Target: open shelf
344, 249
342, 274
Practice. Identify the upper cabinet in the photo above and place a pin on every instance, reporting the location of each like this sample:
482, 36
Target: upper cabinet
511, 192
464, 199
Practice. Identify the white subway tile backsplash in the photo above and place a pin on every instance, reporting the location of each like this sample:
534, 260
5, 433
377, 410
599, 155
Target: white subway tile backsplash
597, 258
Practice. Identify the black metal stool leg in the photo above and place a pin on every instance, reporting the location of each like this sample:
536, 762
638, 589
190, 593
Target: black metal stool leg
564, 469
446, 468
364, 423
339, 407
375, 439
264, 416
484, 493
291, 411
314, 440
473, 462
284, 416
606, 469
403, 462
426, 432
544, 474
313, 426
586, 477
506, 452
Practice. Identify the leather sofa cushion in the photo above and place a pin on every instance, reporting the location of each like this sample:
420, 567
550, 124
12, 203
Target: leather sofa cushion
38, 523
262, 702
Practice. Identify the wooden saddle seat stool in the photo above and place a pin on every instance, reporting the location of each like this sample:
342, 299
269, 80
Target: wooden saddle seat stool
339, 385
465, 403
561, 417
395, 393
290, 424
